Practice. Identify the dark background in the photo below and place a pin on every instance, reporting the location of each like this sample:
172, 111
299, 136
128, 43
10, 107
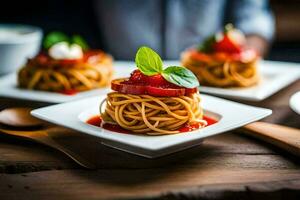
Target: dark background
77, 16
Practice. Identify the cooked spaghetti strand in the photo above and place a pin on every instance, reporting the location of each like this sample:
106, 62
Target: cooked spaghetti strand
222, 72
54, 76
153, 115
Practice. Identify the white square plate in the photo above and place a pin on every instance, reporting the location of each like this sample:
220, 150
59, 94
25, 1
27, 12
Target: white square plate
74, 114
8, 87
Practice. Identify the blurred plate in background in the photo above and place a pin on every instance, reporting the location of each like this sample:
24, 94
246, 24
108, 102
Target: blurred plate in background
275, 76
295, 102
8, 87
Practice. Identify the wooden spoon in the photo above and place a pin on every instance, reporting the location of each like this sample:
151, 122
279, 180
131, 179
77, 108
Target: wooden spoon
284, 137
20, 117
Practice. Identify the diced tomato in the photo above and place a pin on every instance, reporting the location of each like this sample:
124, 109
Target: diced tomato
156, 80
226, 45
124, 86
159, 81
138, 77
68, 61
155, 85
127, 87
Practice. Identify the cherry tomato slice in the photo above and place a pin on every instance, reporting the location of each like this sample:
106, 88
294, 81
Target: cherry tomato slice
165, 92
189, 91
125, 86
121, 86
159, 81
226, 45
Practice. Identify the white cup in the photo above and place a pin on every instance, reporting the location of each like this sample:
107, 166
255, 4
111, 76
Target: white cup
17, 44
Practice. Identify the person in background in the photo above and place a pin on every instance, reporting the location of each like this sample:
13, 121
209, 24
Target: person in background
170, 26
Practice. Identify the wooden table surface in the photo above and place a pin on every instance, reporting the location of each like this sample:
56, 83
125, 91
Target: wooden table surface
227, 166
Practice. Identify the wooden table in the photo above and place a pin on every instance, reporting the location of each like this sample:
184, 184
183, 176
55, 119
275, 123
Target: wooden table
227, 166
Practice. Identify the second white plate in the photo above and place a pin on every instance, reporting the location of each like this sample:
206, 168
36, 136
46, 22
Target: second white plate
295, 102
274, 77
8, 87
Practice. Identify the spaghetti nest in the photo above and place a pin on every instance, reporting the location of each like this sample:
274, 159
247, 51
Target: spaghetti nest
53, 76
153, 115
222, 72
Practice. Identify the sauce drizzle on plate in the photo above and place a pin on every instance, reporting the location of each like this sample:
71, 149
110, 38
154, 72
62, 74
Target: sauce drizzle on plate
69, 92
97, 121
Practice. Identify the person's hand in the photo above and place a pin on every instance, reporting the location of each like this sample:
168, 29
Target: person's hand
258, 43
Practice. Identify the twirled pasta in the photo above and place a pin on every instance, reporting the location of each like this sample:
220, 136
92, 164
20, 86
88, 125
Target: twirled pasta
222, 72
152, 115
83, 75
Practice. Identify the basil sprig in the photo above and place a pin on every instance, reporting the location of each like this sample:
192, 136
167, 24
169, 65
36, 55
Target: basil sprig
56, 37
207, 45
53, 38
180, 76
150, 63
77, 39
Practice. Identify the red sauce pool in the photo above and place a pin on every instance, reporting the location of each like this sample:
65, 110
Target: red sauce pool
69, 92
97, 121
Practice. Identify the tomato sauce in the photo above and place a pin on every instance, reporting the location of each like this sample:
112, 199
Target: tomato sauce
69, 92
209, 120
97, 121
195, 126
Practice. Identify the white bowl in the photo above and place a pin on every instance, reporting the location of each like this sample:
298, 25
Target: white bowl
17, 44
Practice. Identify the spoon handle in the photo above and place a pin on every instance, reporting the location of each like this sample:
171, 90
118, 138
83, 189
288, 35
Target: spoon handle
281, 136
42, 137
78, 159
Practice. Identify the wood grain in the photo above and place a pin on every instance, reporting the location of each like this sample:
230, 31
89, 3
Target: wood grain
223, 150
134, 184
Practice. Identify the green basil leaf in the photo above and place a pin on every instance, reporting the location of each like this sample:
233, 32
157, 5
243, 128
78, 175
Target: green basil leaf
77, 39
53, 38
207, 44
148, 61
180, 76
